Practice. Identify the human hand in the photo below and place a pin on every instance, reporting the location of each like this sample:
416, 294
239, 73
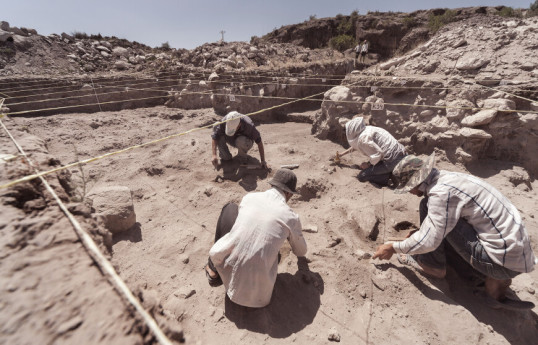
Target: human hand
364, 165
264, 165
215, 163
384, 252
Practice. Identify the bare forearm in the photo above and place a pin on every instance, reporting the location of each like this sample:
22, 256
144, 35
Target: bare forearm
262, 152
214, 148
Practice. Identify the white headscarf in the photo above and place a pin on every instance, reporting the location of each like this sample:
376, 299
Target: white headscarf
353, 129
231, 126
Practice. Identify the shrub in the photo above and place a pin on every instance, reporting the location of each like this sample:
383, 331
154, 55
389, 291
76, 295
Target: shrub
509, 12
165, 45
437, 22
312, 17
533, 9
342, 42
345, 26
410, 22
6, 51
79, 35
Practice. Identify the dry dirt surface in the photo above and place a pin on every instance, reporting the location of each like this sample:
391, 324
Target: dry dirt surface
51, 293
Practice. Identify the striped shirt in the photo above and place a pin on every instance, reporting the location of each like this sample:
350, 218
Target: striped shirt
247, 257
497, 222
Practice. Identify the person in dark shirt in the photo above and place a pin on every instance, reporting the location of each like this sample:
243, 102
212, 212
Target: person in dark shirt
239, 131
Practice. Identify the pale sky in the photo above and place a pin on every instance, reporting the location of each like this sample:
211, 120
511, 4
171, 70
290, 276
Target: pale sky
188, 24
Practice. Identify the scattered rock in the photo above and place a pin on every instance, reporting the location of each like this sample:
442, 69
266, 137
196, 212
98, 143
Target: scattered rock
115, 205
362, 255
334, 335
70, 325
185, 292
334, 242
311, 228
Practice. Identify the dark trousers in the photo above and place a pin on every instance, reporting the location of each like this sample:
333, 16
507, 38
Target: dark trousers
380, 173
464, 241
226, 221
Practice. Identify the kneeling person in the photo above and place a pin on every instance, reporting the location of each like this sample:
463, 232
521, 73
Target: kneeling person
240, 132
248, 239
471, 216
381, 148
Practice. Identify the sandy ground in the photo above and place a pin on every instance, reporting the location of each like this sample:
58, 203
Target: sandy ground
177, 202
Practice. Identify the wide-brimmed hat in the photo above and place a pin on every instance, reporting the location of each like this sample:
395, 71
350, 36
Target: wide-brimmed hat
285, 179
234, 118
412, 171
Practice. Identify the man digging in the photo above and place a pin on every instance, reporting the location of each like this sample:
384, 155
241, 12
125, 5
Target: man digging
471, 216
245, 255
381, 148
239, 131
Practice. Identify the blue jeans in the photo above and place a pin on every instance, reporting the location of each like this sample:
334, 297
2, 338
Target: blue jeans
464, 241
381, 172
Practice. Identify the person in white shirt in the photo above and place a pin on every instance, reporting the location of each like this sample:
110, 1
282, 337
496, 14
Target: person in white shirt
471, 216
381, 148
364, 51
245, 255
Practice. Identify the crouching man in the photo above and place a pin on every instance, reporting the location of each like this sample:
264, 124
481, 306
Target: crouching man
238, 131
382, 149
248, 238
471, 216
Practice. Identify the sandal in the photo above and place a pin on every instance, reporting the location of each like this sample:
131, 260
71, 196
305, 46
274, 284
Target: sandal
408, 260
213, 281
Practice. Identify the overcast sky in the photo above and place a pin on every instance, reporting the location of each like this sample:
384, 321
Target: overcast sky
188, 24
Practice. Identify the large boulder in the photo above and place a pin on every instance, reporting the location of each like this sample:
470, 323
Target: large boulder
115, 205
471, 61
120, 51
121, 65
499, 104
481, 118
337, 108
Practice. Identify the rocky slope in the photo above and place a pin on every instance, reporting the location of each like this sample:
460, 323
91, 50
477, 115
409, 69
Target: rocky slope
24, 52
389, 33
471, 91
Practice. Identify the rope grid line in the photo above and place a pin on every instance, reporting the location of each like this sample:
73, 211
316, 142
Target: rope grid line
272, 97
130, 84
292, 100
281, 76
159, 88
109, 154
95, 254
243, 83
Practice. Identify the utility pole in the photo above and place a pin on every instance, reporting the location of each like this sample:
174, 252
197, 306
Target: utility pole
222, 34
